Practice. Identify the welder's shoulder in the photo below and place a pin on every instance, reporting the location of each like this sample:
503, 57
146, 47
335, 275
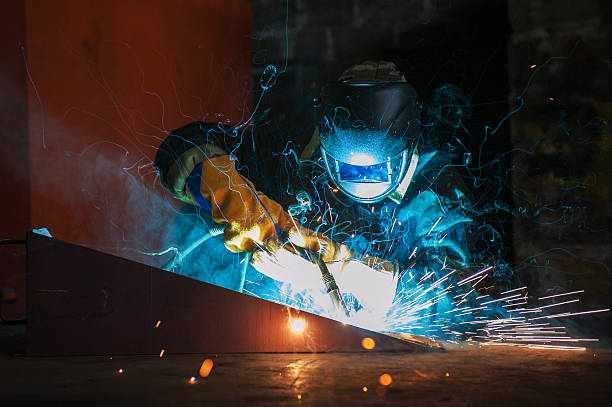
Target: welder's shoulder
197, 134
451, 185
184, 148
438, 176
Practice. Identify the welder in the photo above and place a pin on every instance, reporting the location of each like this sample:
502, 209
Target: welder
369, 198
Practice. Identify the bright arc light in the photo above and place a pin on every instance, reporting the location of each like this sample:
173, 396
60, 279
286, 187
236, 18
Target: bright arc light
298, 325
362, 159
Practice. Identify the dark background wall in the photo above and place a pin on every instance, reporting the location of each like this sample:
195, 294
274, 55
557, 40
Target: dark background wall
549, 158
433, 42
563, 221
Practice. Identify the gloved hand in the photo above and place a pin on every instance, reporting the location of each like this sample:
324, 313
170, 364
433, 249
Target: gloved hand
253, 220
332, 251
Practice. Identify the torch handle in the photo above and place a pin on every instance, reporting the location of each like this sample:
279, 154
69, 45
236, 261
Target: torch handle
328, 281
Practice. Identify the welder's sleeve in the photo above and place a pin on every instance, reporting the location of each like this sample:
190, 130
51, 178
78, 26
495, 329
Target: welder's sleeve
251, 218
254, 220
193, 164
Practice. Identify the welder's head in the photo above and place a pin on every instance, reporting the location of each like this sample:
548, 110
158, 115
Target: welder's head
369, 126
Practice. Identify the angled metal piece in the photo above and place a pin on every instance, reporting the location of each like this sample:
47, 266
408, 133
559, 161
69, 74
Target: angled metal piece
85, 302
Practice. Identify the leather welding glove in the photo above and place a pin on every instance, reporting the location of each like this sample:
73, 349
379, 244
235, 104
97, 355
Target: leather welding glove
331, 251
250, 219
249, 216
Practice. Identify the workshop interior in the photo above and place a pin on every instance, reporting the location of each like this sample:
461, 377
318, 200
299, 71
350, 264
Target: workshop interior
275, 202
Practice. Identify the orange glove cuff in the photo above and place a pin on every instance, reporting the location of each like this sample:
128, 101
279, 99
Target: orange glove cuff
249, 215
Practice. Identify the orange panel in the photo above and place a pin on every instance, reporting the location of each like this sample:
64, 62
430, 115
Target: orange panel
14, 171
108, 79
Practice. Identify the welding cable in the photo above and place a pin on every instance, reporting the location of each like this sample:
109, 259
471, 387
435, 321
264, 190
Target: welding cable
245, 266
12, 241
212, 232
19, 321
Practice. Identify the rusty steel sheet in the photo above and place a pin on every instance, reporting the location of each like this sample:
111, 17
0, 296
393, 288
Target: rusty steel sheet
84, 302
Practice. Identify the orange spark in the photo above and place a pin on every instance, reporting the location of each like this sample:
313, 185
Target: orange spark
365, 389
161, 353
447, 374
157, 324
385, 379
299, 396
368, 343
206, 367
533, 66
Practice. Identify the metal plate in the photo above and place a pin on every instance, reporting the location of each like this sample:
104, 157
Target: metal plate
85, 302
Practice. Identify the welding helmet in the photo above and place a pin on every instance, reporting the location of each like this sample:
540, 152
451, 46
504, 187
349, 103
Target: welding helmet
368, 130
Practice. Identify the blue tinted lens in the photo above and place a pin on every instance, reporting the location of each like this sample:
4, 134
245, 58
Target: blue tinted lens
363, 173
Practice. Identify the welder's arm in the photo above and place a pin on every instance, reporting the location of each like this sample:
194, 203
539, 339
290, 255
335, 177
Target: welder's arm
205, 175
199, 172
193, 164
254, 220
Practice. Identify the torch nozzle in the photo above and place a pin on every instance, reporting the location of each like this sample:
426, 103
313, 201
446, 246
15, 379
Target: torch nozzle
328, 281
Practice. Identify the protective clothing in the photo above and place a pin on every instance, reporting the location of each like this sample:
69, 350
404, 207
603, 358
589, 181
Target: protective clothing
206, 176
253, 220
367, 134
187, 147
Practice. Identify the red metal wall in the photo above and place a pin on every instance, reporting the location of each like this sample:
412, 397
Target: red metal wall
14, 161
105, 81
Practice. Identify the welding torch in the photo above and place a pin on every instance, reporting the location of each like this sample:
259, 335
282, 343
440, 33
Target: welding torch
328, 279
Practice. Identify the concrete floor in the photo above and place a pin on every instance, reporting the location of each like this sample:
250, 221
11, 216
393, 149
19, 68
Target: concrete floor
488, 376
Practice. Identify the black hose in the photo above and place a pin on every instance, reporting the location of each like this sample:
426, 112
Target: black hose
12, 241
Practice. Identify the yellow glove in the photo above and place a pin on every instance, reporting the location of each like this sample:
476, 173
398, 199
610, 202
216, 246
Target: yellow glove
251, 218
331, 251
